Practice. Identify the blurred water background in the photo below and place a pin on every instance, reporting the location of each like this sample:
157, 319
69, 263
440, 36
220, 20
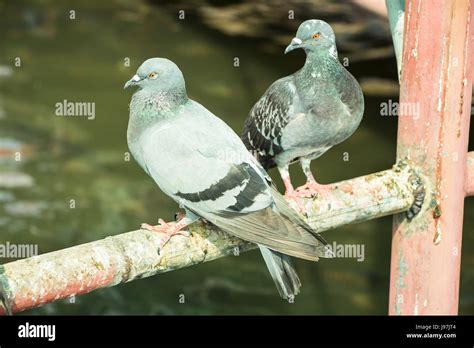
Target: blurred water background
73, 158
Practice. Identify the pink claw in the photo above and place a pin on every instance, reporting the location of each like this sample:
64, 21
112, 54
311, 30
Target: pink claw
312, 189
168, 229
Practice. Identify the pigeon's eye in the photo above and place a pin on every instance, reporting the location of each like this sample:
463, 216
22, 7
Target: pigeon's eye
316, 36
153, 75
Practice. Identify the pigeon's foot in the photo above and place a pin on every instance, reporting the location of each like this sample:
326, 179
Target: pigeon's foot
298, 200
311, 190
168, 229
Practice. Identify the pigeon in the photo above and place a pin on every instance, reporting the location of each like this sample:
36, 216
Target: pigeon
303, 115
200, 162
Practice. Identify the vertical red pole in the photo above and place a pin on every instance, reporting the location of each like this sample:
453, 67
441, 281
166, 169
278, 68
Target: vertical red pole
435, 94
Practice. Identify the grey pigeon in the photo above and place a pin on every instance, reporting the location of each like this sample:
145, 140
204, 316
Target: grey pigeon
302, 115
197, 160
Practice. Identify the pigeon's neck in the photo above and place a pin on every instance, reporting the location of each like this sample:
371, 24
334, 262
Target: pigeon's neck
156, 104
320, 64
149, 107
321, 57
318, 76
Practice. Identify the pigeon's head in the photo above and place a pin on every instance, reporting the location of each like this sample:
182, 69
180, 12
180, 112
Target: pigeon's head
313, 35
157, 74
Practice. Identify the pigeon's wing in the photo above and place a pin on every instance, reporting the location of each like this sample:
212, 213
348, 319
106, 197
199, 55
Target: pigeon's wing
263, 128
269, 229
203, 165
350, 92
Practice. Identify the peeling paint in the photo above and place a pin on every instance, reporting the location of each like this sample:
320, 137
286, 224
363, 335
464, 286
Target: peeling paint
5, 293
415, 310
437, 236
437, 212
402, 270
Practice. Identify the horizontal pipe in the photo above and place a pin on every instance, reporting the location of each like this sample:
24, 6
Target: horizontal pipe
122, 258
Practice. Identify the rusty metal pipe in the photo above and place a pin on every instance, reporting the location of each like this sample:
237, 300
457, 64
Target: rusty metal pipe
125, 257
436, 86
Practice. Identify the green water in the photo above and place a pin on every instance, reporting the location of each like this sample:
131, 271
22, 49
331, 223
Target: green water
83, 160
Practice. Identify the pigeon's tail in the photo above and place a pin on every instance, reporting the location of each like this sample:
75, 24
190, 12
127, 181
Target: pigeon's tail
283, 273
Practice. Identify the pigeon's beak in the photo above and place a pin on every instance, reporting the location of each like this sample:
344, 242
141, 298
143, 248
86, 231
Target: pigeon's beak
295, 43
132, 82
